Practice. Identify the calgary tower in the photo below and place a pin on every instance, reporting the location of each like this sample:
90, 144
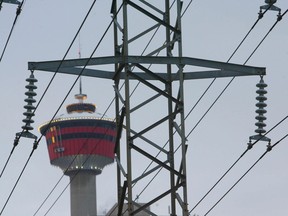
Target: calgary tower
81, 143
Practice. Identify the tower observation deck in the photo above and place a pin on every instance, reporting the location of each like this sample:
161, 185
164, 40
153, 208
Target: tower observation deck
81, 143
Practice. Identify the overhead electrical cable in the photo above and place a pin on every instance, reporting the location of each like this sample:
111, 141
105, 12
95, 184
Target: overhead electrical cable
16, 141
227, 85
229, 169
35, 145
49, 194
218, 181
189, 4
278, 19
225, 88
18, 12
260, 16
269, 148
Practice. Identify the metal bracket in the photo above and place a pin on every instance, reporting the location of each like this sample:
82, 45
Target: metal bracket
12, 2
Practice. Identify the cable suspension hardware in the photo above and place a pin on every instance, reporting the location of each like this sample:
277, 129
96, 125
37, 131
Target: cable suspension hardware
270, 6
261, 98
30, 108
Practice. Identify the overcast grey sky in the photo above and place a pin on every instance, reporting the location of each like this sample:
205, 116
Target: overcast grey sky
211, 30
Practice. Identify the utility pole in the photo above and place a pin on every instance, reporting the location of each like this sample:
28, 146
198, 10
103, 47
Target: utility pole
160, 72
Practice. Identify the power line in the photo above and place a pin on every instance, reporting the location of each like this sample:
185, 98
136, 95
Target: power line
189, 4
49, 194
16, 141
225, 88
18, 12
269, 148
260, 16
278, 19
227, 85
218, 181
35, 145
250, 145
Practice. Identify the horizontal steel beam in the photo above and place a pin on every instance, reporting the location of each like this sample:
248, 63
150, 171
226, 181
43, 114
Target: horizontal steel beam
75, 67
12, 2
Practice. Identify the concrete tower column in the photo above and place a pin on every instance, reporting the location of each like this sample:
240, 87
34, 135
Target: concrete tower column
83, 194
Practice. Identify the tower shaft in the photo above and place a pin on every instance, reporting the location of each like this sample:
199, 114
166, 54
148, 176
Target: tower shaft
83, 194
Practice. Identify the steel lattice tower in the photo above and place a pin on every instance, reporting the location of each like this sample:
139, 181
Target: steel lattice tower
161, 74
173, 105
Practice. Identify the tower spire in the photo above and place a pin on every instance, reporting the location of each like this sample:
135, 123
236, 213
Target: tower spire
81, 97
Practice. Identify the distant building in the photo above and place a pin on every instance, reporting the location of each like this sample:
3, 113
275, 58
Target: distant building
114, 211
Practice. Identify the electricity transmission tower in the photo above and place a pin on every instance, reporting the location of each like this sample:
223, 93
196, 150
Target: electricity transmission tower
151, 119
